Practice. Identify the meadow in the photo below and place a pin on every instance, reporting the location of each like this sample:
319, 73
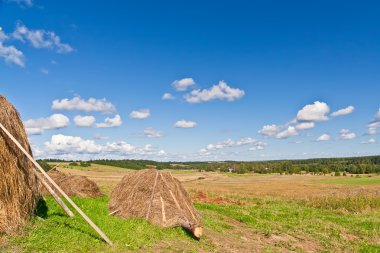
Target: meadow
241, 213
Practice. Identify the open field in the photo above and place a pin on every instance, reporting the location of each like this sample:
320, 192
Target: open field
242, 213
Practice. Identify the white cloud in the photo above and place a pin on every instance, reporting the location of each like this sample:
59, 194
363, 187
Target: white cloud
140, 114
220, 91
167, 96
348, 110
305, 125
372, 127
152, 133
41, 39
370, 141
269, 130
61, 144
76, 148
324, 137
111, 122
183, 84
255, 145
84, 121
22, 3
346, 134
314, 112
10, 53
79, 104
37, 126
185, 124
289, 132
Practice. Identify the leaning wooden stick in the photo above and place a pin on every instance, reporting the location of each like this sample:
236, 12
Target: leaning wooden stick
55, 195
89, 221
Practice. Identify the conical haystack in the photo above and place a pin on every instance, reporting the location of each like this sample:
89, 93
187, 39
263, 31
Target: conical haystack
19, 189
157, 197
73, 185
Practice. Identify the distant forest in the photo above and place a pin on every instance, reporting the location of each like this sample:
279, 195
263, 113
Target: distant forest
352, 165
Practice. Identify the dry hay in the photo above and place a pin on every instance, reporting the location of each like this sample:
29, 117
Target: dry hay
157, 197
18, 184
73, 185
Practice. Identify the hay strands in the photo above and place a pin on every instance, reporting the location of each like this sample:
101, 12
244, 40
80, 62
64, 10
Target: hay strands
89, 221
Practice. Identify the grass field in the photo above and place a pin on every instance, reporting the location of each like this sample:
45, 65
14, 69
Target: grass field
354, 181
247, 213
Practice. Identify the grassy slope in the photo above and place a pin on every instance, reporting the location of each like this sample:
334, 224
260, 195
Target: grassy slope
267, 219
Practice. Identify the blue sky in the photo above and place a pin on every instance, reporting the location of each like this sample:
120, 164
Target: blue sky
246, 80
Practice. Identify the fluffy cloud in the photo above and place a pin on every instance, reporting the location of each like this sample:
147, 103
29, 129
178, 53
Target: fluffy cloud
372, 127
220, 91
41, 39
255, 144
314, 112
10, 53
305, 125
140, 114
111, 122
37, 126
324, 137
370, 141
61, 144
185, 124
79, 104
375, 124
152, 133
183, 84
346, 134
76, 148
269, 130
348, 110
167, 96
288, 132
84, 121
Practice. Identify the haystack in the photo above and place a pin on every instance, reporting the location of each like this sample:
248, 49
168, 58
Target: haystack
19, 189
157, 197
73, 185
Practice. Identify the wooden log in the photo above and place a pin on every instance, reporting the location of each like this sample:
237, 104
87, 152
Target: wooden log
196, 230
89, 221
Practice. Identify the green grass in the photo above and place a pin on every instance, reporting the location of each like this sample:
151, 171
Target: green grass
59, 233
263, 217
353, 181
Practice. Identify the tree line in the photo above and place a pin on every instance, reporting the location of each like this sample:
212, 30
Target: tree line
352, 165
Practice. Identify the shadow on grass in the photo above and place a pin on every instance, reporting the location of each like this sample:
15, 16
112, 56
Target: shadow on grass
83, 232
42, 209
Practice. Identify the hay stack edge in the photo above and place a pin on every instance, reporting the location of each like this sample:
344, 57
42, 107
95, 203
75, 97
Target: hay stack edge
157, 197
19, 188
73, 185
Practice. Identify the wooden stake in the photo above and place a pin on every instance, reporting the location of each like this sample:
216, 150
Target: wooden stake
89, 221
55, 196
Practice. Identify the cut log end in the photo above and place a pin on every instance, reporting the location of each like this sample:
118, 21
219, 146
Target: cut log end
197, 232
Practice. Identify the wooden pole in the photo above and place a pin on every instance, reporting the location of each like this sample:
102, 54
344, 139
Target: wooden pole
89, 221
55, 195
